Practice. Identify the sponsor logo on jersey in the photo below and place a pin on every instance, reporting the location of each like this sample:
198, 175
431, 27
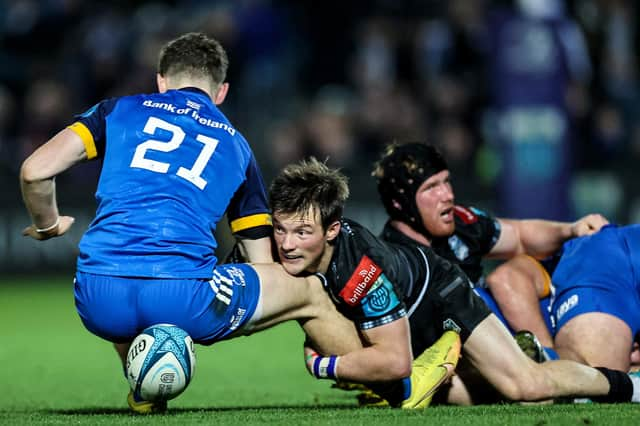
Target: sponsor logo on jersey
193, 105
466, 215
380, 299
193, 112
459, 248
567, 305
366, 273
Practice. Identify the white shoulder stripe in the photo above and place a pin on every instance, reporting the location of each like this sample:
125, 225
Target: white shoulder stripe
424, 287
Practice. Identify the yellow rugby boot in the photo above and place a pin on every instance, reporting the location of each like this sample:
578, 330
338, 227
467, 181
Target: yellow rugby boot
432, 368
140, 406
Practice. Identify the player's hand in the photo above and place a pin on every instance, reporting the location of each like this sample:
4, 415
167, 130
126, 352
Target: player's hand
588, 225
63, 226
310, 356
321, 367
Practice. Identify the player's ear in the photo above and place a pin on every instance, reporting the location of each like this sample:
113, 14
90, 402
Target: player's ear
333, 230
162, 83
221, 93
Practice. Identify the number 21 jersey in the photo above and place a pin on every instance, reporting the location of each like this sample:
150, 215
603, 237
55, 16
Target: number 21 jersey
172, 166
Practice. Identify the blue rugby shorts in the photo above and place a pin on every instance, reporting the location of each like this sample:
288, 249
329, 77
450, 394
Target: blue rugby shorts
597, 274
119, 308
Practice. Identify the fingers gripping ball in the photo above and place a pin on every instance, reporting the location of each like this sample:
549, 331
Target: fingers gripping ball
160, 362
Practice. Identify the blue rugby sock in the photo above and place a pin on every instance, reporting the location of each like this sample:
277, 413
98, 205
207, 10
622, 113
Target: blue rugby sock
394, 392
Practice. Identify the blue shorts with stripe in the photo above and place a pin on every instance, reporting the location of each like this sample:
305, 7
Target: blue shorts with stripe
119, 308
599, 273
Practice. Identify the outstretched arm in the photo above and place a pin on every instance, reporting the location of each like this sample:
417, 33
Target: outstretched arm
541, 238
386, 356
37, 182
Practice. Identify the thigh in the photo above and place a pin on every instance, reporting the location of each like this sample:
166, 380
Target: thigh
488, 298
208, 310
285, 297
596, 339
523, 269
495, 354
106, 305
576, 301
446, 306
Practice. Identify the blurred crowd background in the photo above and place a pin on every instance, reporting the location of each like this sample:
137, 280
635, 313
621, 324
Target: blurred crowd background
535, 103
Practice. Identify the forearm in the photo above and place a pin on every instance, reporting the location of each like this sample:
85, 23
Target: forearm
361, 366
541, 238
372, 365
37, 175
537, 238
40, 200
387, 355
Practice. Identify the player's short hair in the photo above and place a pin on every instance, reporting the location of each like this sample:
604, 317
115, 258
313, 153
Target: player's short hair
400, 171
194, 55
310, 184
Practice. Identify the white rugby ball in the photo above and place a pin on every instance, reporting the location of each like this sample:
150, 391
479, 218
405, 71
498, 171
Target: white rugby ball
160, 362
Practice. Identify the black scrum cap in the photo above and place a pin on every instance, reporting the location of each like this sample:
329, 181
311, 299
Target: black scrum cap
400, 172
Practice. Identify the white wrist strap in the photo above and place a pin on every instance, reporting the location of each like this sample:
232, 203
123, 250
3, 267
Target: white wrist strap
49, 228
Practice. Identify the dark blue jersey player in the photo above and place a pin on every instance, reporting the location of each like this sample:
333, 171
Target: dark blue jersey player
177, 142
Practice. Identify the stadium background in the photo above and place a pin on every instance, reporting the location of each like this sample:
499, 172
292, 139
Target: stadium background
336, 79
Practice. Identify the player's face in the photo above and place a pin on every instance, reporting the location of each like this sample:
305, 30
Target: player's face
435, 199
302, 243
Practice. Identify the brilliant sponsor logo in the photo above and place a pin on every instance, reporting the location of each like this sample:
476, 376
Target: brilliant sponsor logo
568, 304
465, 214
366, 273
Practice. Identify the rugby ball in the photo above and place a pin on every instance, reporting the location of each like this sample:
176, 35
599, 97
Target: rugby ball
160, 362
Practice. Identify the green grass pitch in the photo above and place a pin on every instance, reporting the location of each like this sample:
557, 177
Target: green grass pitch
52, 371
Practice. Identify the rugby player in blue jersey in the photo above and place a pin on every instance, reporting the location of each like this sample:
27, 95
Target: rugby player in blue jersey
381, 284
172, 165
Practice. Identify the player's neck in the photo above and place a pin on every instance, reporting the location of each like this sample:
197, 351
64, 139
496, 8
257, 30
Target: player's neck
410, 232
325, 260
179, 82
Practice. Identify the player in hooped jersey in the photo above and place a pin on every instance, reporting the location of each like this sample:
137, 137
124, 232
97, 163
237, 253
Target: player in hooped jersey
172, 165
379, 284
